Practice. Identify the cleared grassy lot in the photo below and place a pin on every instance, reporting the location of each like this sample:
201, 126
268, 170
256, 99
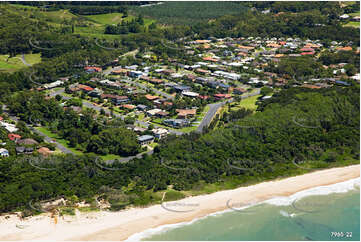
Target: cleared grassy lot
353, 24
249, 103
15, 63
58, 139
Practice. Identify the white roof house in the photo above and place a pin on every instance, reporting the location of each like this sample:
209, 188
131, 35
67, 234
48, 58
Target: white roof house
190, 94
4, 152
53, 84
9, 127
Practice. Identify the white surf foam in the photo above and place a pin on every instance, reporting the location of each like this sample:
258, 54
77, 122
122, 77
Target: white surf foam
341, 187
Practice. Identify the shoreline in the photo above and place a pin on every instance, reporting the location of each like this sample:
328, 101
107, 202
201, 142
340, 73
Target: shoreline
133, 223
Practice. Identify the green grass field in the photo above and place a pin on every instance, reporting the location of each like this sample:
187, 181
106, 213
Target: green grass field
15, 63
114, 18
249, 103
354, 14
109, 18
353, 24
58, 139
32, 58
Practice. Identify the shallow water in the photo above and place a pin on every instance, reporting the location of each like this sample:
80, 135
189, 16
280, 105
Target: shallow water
312, 217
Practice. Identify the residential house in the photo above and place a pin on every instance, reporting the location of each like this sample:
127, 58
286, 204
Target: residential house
117, 100
4, 152
153, 112
145, 139
128, 106
186, 113
156, 81
160, 133
190, 94
24, 150
141, 107
168, 72
44, 151
239, 90
181, 88
202, 71
151, 98
162, 114
27, 141
53, 84
139, 130
9, 127
222, 96
14, 137
177, 123
96, 92
91, 69
135, 74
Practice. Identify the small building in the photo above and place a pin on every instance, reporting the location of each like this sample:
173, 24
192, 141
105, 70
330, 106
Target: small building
181, 88
91, 69
145, 139
141, 107
150, 97
176, 123
162, 114
24, 150
4, 152
14, 137
135, 74
186, 113
53, 84
160, 133
239, 91
153, 112
9, 127
27, 141
222, 96
190, 94
44, 151
117, 100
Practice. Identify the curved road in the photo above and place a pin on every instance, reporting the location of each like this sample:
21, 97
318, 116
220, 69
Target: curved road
23, 60
213, 108
46, 138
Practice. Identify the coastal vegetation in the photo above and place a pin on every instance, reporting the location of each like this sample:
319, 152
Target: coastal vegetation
295, 131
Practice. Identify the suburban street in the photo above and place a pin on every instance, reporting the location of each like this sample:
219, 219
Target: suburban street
213, 108
147, 88
107, 111
46, 138
24, 61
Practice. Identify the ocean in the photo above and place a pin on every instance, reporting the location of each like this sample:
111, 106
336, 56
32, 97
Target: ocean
321, 213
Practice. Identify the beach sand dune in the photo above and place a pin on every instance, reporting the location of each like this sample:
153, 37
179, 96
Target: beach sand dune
121, 225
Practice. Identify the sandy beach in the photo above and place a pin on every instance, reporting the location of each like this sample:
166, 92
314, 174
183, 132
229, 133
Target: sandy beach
120, 225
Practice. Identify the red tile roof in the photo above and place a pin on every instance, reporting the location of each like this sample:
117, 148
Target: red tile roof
12, 136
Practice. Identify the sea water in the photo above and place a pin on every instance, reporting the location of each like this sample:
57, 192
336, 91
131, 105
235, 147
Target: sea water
322, 213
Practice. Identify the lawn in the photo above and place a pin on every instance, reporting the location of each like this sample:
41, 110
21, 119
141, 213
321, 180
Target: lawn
249, 103
12, 64
77, 152
106, 19
354, 14
58, 139
114, 18
32, 58
15, 63
353, 24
